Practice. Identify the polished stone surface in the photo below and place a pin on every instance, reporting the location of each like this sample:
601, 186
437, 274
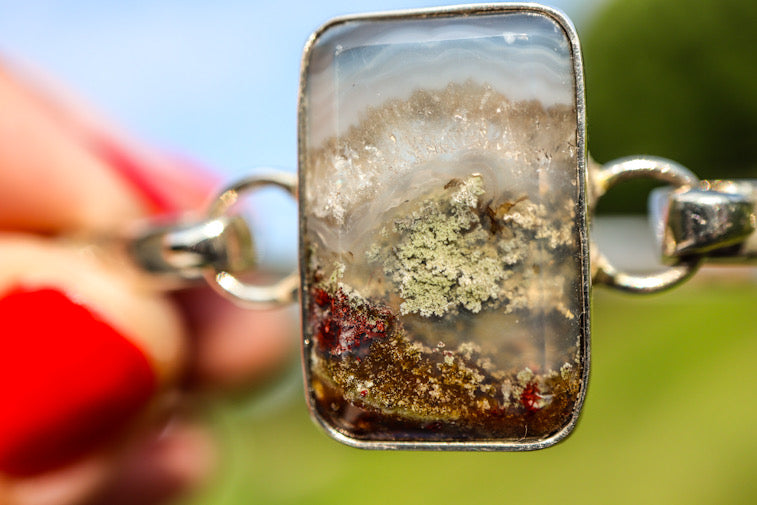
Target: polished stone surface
442, 221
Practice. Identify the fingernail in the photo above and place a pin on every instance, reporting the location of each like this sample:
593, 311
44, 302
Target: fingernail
137, 175
165, 186
69, 382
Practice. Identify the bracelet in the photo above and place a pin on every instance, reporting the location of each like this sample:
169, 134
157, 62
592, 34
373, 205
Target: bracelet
445, 260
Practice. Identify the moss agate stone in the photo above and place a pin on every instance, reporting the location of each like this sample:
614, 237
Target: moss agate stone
443, 234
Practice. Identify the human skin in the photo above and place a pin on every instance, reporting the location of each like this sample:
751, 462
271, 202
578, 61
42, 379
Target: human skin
64, 176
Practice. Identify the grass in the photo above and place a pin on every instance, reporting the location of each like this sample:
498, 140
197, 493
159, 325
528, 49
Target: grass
669, 419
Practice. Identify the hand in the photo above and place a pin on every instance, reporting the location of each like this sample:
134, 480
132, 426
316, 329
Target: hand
94, 366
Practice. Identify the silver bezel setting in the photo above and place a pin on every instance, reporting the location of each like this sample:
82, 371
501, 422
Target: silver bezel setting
581, 217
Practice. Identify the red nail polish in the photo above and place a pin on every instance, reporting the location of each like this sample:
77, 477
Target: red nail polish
133, 171
68, 380
165, 187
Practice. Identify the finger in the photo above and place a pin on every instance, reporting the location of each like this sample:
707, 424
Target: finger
165, 182
49, 182
68, 486
234, 347
63, 170
100, 181
82, 355
165, 466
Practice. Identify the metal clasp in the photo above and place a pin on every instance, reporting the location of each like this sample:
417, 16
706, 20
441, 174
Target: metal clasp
715, 220
183, 252
216, 248
694, 221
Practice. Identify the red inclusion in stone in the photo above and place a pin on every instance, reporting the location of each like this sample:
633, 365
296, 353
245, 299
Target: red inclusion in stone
344, 327
530, 397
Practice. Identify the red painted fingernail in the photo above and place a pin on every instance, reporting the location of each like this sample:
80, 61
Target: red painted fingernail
133, 171
68, 380
166, 187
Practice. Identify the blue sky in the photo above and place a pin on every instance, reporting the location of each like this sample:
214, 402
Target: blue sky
216, 81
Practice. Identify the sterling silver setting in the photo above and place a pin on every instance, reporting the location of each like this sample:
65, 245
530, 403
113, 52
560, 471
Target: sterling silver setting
580, 208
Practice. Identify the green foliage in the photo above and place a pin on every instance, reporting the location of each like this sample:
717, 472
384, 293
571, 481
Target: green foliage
675, 78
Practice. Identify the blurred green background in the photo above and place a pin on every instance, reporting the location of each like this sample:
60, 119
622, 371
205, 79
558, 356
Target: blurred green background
673, 78
671, 408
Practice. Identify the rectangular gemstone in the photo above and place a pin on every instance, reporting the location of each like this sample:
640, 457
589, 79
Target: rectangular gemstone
443, 234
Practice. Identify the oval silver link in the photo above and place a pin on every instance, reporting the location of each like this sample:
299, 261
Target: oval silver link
602, 178
282, 292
